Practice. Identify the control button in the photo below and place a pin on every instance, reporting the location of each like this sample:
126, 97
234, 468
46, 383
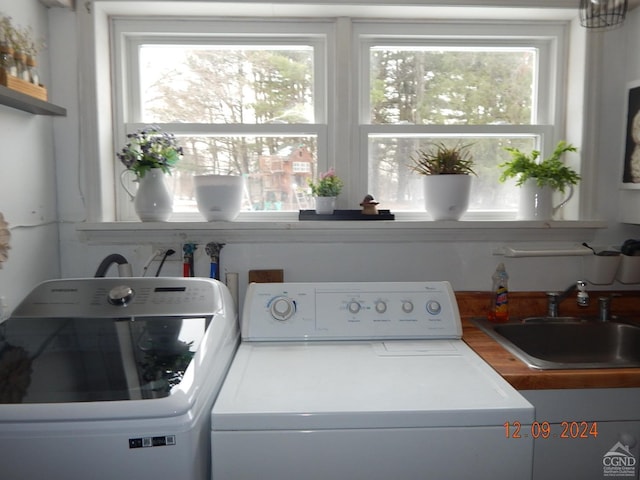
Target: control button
353, 307
433, 307
120, 295
282, 308
407, 306
381, 306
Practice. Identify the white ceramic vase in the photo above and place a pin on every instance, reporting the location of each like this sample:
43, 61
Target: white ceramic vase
152, 202
536, 203
325, 205
446, 197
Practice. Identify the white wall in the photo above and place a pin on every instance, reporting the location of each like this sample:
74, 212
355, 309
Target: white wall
468, 265
28, 177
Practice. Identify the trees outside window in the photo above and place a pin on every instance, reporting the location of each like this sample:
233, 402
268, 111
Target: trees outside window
253, 102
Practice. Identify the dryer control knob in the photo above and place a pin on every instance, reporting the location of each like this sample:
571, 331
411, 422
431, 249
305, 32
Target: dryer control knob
434, 307
121, 295
407, 306
282, 308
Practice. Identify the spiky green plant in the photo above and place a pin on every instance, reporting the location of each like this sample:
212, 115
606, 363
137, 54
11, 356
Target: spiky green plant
441, 159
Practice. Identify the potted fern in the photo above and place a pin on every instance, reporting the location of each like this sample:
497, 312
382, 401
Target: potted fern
447, 172
538, 180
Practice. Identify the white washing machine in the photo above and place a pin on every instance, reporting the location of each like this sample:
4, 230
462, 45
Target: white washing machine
113, 378
363, 381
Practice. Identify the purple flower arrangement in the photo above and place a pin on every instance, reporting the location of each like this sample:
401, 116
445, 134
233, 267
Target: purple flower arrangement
150, 148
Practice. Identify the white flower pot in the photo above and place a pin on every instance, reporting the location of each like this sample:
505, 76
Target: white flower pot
325, 205
446, 197
219, 197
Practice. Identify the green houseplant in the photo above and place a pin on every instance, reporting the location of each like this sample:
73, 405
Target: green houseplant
538, 180
328, 185
441, 159
550, 172
325, 191
447, 172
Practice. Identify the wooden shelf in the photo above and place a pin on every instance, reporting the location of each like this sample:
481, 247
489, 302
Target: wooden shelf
26, 103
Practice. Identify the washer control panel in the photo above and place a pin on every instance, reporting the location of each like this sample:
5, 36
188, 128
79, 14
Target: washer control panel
338, 311
124, 297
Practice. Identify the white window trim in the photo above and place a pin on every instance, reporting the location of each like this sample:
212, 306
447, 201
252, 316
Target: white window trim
96, 103
127, 112
550, 39
362, 35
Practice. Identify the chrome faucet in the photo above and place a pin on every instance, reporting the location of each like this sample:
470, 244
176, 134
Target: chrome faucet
554, 299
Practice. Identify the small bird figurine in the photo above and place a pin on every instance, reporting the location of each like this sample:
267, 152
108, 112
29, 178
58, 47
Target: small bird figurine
369, 205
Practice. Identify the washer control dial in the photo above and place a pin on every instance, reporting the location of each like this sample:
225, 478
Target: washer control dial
120, 295
282, 308
353, 307
381, 306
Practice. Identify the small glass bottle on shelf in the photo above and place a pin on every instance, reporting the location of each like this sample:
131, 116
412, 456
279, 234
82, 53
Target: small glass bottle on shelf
21, 66
32, 70
7, 62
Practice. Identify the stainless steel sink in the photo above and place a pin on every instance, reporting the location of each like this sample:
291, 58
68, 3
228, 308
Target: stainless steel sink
558, 343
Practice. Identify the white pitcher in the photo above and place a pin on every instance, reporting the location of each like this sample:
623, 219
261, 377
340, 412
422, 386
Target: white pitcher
536, 203
152, 202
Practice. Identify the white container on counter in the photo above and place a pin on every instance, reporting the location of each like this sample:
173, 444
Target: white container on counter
629, 271
601, 269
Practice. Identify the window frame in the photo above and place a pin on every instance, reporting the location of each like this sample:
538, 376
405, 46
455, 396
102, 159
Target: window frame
550, 40
127, 109
344, 96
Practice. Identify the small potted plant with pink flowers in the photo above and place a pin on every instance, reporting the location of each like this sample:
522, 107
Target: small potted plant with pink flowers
325, 191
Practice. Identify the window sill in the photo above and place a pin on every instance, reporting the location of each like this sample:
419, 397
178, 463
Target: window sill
128, 233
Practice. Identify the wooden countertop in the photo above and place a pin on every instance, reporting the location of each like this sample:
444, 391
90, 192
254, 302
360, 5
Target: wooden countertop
518, 373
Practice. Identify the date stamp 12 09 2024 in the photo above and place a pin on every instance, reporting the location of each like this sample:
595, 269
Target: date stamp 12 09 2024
545, 430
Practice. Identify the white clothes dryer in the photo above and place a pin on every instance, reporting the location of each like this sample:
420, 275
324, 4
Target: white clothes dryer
113, 378
363, 381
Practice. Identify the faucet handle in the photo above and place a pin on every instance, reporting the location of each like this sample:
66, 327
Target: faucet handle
553, 300
583, 296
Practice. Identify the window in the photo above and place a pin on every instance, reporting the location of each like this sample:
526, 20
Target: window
251, 105
267, 100
485, 87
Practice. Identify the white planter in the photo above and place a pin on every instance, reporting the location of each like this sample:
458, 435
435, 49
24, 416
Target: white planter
446, 197
219, 197
536, 203
325, 205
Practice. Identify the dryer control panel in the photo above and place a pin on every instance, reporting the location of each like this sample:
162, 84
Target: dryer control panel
343, 311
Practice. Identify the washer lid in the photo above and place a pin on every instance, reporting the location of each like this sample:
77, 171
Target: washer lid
397, 384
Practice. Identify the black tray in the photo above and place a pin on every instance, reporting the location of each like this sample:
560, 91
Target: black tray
345, 215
